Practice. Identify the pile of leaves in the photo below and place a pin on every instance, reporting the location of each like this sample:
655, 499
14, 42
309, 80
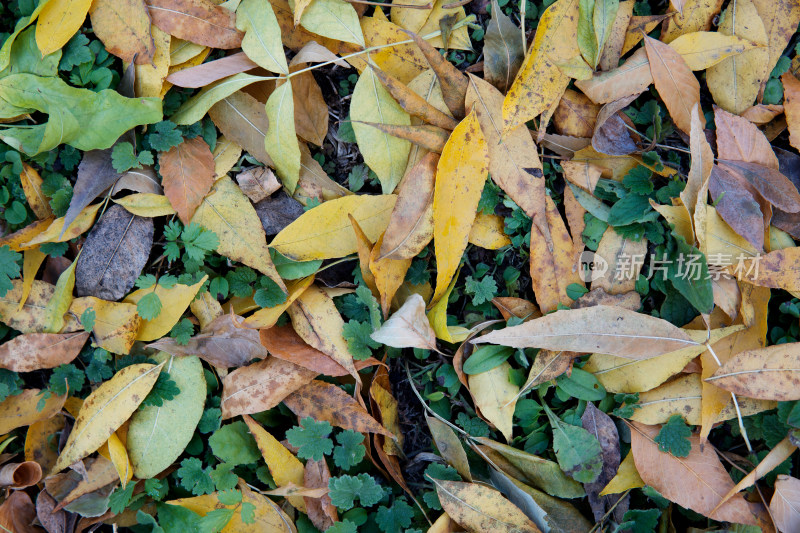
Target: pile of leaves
329, 265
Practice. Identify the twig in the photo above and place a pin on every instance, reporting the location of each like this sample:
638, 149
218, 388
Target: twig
735, 402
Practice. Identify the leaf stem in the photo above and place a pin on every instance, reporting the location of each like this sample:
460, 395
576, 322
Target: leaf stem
742, 430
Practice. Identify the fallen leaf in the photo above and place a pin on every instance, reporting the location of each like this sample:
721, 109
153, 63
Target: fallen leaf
481, 508
243, 120
632, 77
704, 49
58, 21
196, 21
674, 81
130, 40
503, 50
32, 185
627, 478
449, 446
116, 324
783, 505
36, 351
495, 396
408, 327
175, 300
602, 427
767, 373
262, 35
188, 174
22, 409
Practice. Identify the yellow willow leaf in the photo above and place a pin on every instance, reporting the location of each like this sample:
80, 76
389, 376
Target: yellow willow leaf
37, 447
325, 232
718, 241
284, 467
613, 248
58, 21
105, 410
683, 396
620, 374
487, 232
280, 140
460, 177
115, 323
480, 508
58, 305
150, 76
56, 232
404, 62
449, 446
767, 373
675, 82
17, 241
174, 302
32, 185
704, 49
226, 154
437, 316
268, 316
782, 451
335, 19
385, 154
262, 35
228, 212
780, 20
318, 322
31, 261
23, 410
389, 275
540, 83
734, 82
699, 171
627, 477
146, 204
205, 309
495, 396
114, 450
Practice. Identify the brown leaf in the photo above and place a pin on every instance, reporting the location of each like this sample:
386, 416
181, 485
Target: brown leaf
454, 83
261, 386
410, 226
224, 343
432, 138
114, 254
675, 82
510, 306
575, 115
36, 351
736, 205
740, 140
278, 211
95, 175
768, 373
324, 401
257, 183
196, 21
697, 482
602, 427
53, 521
503, 50
208, 73
20, 475
413, 103
17, 513
188, 172
632, 77
791, 102
243, 119
321, 511
770, 183
611, 134
310, 109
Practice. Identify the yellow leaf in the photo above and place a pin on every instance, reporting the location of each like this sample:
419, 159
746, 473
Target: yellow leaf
30, 317
280, 140
704, 49
31, 261
268, 316
262, 37
627, 477
174, 302
540, 83
325, 232
146, 204
150, 76
389, 275
449, 446
22, 409
458, 39
226, 154
619, 278
495, 396
437, 316
405, 62
480, 508
318, 322
58, 21
284, 467
487, 232
105, 410
56, 232
227, 212
734, 82
335, 19
37, 445
116, 324
619, 374
32, 185
461, 174
385, 154
114, 450
205, 309
58, 305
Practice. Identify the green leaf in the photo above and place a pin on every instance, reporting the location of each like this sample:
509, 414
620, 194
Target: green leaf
123, 157
486, 358
632, 208
688, 272
344, 490
357, 334
165, 389
674, 437
481, 291
350, 451
156, 488
603, 16
198, 241
581, 385
229, 496
270, 294
194, 478
78, 117
9, 268
88, 318
345, 526
311, 439
210, 420
587, 43
164, 135
149, 307
233, 444
578, 452
120, 498
395, 518
239, 281
644, 521
224, 478
288, 269
66, 378
262, 37
638, 181
367, 298
182, 331
215, 520
472, 425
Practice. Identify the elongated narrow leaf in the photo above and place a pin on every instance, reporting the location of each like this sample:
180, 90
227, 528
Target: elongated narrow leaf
769, 373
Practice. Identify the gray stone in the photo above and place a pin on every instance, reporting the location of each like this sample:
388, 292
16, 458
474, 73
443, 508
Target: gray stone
277, 212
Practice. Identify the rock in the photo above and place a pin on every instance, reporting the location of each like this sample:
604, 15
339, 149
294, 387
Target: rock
277, 212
